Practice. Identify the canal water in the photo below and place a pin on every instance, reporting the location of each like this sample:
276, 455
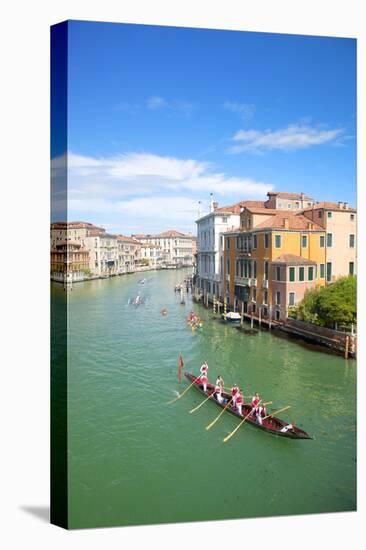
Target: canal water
134, 459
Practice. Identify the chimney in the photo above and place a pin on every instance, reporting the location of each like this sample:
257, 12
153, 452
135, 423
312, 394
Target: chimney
286, 223
310, 225
215, 205
345, 206
211, 202
302, 196
340, 204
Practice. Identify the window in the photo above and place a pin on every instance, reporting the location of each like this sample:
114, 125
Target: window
322, 241
278, 273
310, 273
265, 297
224, 219
254, 308
322, 270
329, 237
351, 270
227, 267
301, 273
228, 243
352, 241
309, 204
289, 205
278, 241
254, 269
292, 274
304, 241
278, 298
266, 240
248, 222
255, 240
320, 214
329, 272
291, 299
352, 216
266, 268
277, 315
254, 291
329, 214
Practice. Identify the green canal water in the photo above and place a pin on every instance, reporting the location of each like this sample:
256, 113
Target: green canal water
133, 459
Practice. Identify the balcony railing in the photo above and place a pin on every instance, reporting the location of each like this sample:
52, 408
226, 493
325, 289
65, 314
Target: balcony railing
242, 281
265, 283
252, 282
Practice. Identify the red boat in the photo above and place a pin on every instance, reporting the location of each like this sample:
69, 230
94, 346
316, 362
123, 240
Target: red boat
272, 424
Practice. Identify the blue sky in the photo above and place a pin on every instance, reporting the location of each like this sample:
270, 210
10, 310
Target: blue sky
159, 117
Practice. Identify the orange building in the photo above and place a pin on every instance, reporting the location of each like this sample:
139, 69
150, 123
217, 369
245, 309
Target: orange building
271, 260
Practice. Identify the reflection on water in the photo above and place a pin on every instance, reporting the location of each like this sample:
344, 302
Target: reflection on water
134, 459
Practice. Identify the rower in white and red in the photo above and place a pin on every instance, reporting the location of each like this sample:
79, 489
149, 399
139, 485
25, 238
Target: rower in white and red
218, 393
255, 401
260, 413
239, 402
203, 380
234, 393
204, 367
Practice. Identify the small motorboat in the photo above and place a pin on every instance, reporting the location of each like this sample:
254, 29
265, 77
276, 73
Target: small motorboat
142, 281
232, 317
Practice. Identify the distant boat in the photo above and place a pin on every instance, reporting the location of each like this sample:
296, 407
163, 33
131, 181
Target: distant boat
142, 281
232, 317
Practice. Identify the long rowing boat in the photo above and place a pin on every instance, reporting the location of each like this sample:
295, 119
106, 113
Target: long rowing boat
272, 424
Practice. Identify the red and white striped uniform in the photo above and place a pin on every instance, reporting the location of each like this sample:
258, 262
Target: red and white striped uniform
234, 393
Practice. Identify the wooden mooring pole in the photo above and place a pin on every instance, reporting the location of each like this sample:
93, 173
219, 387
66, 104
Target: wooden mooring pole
242, 313
346, 348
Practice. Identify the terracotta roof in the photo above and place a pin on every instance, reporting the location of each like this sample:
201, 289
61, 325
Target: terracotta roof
236, 208
263, 210
125, 239
293, 260
75, 225
284, 195
295, 221
331, 206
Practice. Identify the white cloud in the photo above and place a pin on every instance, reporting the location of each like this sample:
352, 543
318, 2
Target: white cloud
156, 102
150, 190
286, 139
245, 110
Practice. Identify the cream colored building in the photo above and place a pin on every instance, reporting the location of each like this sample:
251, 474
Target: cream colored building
72, 231
128, 254
152, 253
103, 253
176, 247
340, 223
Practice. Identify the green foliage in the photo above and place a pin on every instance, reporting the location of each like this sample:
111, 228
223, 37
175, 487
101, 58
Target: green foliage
330, 305
86, 271
145, 261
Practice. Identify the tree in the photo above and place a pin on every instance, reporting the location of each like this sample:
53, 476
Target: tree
332, 305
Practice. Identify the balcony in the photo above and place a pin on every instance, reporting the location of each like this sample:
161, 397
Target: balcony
228, 277
242, 281
265, 283
243, 252
252, 282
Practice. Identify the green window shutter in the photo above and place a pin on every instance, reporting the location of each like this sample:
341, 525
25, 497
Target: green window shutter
292, 274
302, 274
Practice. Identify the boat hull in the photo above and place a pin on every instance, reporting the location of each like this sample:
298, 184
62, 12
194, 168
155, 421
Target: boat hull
271, 425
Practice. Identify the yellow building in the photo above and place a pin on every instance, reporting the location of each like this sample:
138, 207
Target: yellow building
271, 260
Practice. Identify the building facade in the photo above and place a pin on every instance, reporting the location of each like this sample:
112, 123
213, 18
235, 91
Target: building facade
69, 261
152, 254
340, 223
128, 254
176, 248
103, 253
268, 264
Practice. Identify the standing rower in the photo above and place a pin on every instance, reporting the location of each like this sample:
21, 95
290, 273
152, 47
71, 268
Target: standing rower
260, 413
218, 393
204, 368
203, 381
220, 382
239, 401
234, 394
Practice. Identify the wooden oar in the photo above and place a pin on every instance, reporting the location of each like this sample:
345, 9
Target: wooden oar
181, 394
222, 412
276, 412
236, 429
200, 405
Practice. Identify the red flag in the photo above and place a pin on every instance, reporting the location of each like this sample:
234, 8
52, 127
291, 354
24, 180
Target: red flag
180, 366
